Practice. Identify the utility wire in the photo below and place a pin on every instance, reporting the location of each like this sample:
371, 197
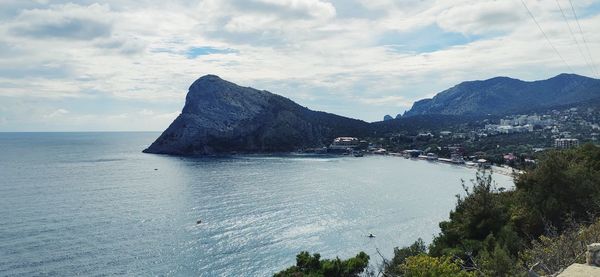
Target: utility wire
583, 37
546, 36
585, 58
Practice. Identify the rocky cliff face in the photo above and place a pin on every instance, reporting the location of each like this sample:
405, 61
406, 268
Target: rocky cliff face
502, 95
222, 117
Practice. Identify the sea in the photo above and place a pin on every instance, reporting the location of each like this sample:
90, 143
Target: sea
92, 204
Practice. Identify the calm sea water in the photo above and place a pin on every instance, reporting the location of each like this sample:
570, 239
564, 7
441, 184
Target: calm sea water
93, 204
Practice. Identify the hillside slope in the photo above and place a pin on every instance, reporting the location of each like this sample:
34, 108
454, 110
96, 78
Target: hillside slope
503, 95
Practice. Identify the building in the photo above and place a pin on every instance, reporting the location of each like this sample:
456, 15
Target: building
445, 133
344, 143
563, 143
509, 158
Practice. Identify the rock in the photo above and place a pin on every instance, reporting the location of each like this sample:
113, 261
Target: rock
387, 117
222, 117
580, 270
592, 256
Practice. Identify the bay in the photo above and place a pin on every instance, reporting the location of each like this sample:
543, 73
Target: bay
93, 204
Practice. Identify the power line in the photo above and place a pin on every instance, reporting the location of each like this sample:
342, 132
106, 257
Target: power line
585, 58
544, 33
583, 37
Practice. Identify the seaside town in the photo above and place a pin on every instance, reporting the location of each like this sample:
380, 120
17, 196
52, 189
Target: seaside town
512, 142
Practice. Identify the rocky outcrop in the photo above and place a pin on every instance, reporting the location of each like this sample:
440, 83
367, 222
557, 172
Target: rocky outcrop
580, 270
222, 117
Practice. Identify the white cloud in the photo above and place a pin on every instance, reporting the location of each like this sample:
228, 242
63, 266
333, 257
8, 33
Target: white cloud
482, 17
69, 21
328, 55
391, 100
56, 113
312, 8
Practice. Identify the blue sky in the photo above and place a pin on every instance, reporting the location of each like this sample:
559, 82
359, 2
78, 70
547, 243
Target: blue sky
126, 65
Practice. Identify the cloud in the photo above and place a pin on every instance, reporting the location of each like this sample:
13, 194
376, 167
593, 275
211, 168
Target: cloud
482, 17
297, 9
427, 39
8, 49
398, 101
69, 21
45, 70
266, 22
196, 51
357, 58
56, 113
125, 46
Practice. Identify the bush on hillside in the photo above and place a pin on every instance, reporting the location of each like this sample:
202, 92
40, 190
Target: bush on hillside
307, 265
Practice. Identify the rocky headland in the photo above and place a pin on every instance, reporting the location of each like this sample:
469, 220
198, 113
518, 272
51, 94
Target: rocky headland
220, 117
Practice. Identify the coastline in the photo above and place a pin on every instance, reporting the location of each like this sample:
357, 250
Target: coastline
502, 170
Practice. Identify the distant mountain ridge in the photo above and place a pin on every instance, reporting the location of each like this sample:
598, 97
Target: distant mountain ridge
222, 117
504, 95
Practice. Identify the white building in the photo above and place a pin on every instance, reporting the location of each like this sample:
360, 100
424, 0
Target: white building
343, 143
563, 143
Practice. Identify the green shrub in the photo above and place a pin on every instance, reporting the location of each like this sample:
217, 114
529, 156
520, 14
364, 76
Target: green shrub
555, 252
564, 187
307, 265
426, 266
392, 268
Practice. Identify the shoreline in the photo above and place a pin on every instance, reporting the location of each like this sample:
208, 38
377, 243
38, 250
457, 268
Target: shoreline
502, 169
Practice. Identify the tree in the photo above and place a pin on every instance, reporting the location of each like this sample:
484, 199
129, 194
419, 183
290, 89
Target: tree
483, 211
307, 265
564, 187
401, 254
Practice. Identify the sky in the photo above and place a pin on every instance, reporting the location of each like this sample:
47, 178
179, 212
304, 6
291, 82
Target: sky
121, 65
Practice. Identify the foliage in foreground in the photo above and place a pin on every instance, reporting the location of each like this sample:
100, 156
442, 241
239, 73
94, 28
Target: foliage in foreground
426, 266
506, 233
307, 265
393, 267
555, 252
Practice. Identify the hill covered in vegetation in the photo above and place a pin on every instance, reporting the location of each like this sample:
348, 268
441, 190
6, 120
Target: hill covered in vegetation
503, 95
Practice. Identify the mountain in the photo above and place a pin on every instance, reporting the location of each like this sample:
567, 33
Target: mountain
222, 117
503, 95
387, 117
426, 123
